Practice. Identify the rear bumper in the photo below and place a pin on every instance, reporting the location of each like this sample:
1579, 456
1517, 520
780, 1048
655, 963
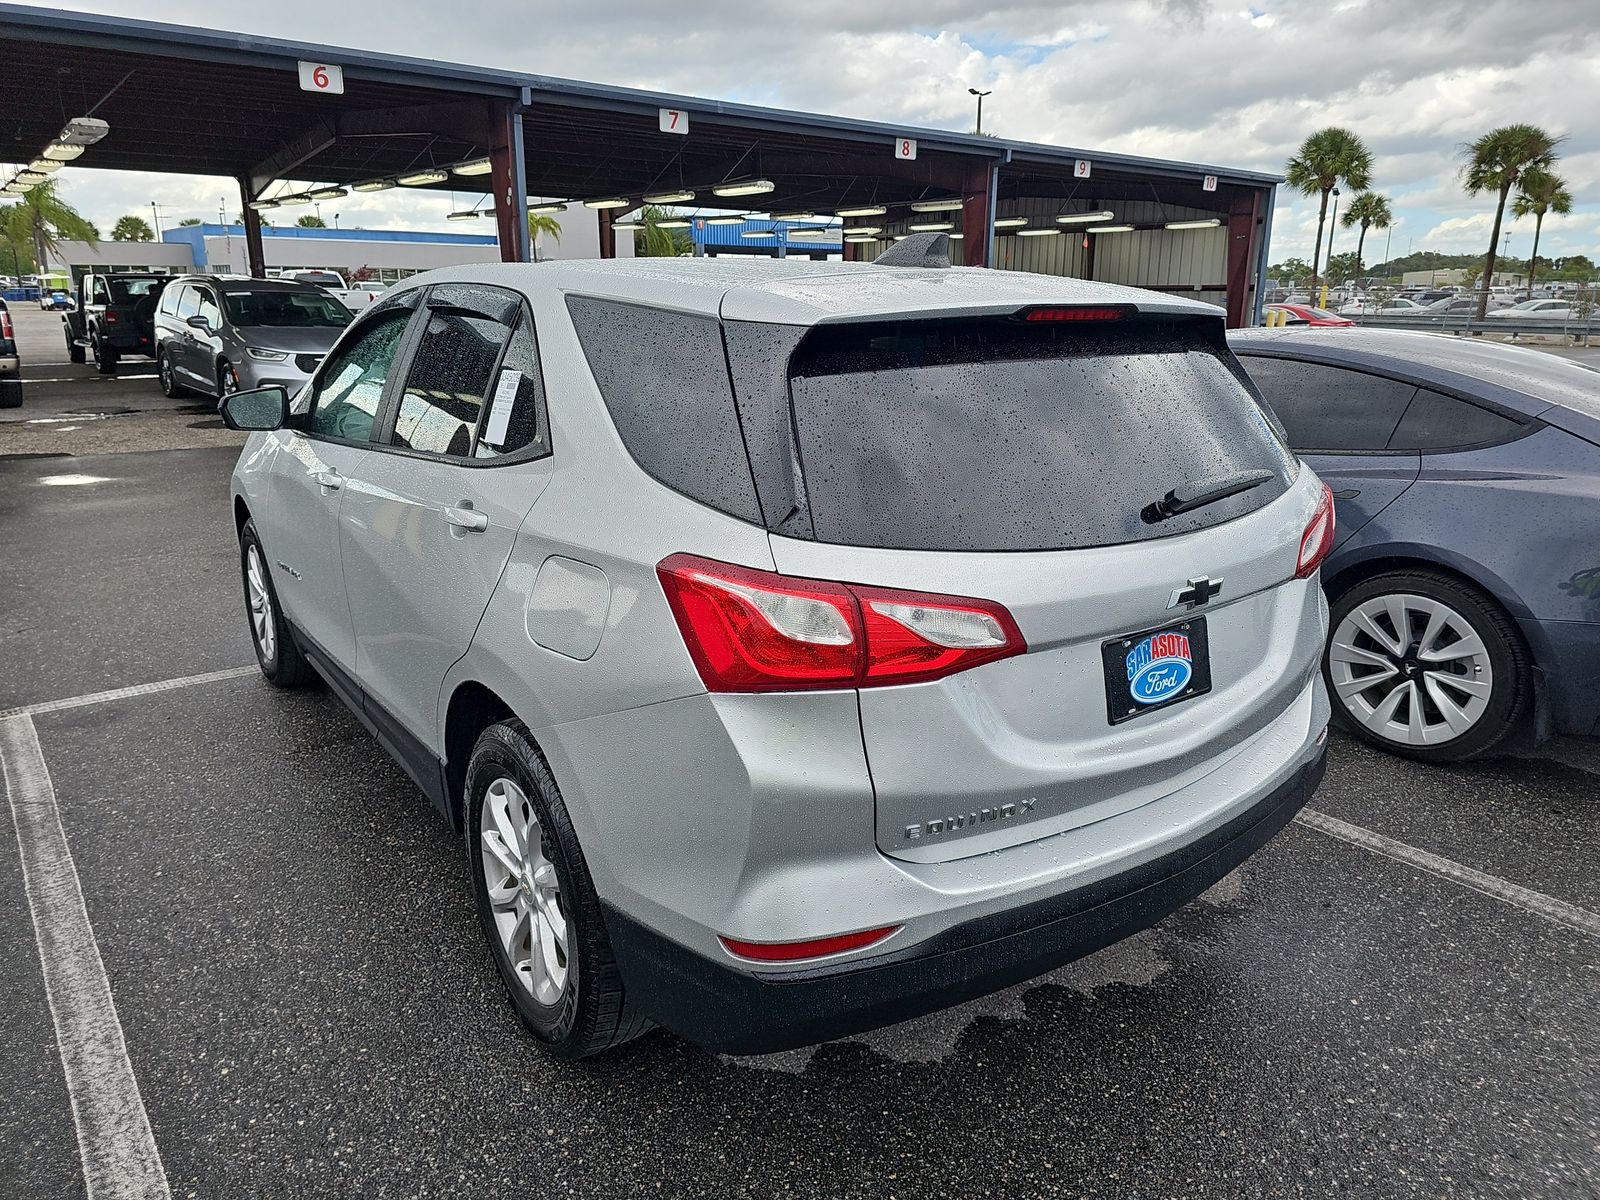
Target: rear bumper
750, 1012
10, 364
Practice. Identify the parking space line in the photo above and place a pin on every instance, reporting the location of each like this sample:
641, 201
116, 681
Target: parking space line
115, 1143
139, 689
1537, 903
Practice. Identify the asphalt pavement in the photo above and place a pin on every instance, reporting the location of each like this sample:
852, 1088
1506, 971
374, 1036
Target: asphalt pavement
1395, 999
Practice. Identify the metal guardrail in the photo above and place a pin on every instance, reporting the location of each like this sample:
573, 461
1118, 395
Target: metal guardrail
1585, 328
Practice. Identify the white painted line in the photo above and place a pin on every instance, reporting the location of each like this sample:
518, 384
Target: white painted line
120, 1159
140, 689
1540, 905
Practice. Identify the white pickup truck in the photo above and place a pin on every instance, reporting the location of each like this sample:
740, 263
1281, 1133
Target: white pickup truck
354, 298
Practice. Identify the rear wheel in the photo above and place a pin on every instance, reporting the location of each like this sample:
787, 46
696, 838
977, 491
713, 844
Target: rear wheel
277, 653
170, 386
537, 903
1424, 665
105, 358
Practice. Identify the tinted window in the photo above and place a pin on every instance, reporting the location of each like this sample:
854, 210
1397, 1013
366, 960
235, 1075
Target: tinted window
992, 435
1438, 422
515, 417
347, 391
188, 301
664, 377
450, 376
1328, 408
281, 308
207, 307
127, 291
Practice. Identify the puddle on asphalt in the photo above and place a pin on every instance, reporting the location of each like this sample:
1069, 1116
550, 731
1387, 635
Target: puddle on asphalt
72, 480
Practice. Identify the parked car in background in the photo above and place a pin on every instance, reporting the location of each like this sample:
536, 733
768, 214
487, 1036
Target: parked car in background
55, 300
1536, 310
764, 720
218, 335
1464, 580
1364, 306
1304, 315
114, 316
10, 360
355, 297
1462, 306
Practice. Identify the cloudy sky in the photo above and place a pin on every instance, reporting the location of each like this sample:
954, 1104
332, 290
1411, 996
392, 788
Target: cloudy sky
1234, 83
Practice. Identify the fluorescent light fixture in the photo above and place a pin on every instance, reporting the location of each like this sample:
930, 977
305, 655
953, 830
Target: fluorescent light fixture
956, 237
1038, 233
1085, 218
47, 166
725, 220
745, 187
372, 185
329, 193
866, 210
62, 151
30, 177
1207, 223
466, 214
930, 227
867, 229
813, 233
900, 237
1111, 229
263, 205
546, 210
757, 233
626, 225
794, 216
951, 205
680, 197
673, 223
15, 189
419, 178
1010, 222
291, 201
476, 166
82, 131
609, 202
859, 238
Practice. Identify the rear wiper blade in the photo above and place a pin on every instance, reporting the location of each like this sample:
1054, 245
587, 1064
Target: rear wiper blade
1200, 492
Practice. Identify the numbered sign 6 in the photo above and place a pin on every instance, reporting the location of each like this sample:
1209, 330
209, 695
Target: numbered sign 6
905, 147
322, 77
1081, 168
674, 120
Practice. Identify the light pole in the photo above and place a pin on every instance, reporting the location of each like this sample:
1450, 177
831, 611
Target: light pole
980, 96
1332, 225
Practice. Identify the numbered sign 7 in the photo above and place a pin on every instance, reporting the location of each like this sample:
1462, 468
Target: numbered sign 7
674, 120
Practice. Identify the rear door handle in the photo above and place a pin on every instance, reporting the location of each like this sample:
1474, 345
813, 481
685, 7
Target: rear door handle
466, 518
331, 480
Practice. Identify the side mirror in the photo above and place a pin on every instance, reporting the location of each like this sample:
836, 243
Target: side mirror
260, 408
200, 323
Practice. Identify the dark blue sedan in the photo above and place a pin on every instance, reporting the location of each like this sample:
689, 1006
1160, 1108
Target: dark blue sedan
1464, 582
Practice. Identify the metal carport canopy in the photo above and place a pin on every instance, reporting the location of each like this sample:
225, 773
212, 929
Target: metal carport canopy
207, 102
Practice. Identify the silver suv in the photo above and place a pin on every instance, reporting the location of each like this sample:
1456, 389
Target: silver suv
798, 648
218, 334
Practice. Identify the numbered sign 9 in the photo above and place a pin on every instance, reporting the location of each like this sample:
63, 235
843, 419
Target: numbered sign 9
905, 147
1081, 168
322, 77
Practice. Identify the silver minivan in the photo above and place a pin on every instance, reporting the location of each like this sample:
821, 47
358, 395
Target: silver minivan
798, 647
221, 334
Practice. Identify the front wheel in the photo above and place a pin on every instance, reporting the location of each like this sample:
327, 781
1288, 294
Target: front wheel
277, 653
227, 379
537, 903
1426, 666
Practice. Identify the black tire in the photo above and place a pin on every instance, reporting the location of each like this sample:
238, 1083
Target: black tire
170, 387
227, 381
75, 351
105, 358
1510, 664
282, 663
592, 1013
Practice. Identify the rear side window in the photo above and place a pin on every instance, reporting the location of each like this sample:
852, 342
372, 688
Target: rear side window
1329, 408
188, 301
1438, 422
995, 435
664, 378
450, 377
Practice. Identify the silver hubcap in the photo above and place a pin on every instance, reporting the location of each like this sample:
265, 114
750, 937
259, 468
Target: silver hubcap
524, 892
255, 582
1412, 670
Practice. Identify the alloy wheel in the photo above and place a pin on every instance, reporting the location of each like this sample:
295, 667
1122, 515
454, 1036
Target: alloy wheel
260, 598
1411, 669
524, 892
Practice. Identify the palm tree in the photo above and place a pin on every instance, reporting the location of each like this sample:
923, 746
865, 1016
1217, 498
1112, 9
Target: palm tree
542, 223
1369, 210
1539, 192
1326, 159
1495, 163
656, 242
44, 218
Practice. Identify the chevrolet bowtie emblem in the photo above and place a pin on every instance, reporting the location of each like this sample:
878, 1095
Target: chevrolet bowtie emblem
1196, 592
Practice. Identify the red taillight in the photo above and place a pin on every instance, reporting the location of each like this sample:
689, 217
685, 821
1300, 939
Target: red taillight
5, 324
758, 631
816, 948
1317, 540
110, 317
1063, 313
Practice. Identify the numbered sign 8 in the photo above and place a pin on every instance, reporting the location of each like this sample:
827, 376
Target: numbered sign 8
674, 120
322, 77
905, 147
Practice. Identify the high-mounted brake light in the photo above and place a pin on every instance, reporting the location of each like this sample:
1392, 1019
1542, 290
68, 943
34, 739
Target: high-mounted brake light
1104, 312
759, 631
815, 948
1317, 541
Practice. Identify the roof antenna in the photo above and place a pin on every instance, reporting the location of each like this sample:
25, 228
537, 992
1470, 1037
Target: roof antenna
917, 250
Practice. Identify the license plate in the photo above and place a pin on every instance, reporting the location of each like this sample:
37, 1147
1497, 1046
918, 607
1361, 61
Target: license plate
1155, 669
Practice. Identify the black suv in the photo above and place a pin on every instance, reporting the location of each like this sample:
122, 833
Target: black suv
115, 316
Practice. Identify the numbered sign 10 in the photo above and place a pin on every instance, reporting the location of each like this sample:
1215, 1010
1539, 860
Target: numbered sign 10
322, 77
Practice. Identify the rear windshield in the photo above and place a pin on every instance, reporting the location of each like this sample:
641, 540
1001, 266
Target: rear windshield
280, 308
995, 435
127, 291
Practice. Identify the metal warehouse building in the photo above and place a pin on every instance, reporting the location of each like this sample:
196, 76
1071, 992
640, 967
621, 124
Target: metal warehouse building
264, 111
